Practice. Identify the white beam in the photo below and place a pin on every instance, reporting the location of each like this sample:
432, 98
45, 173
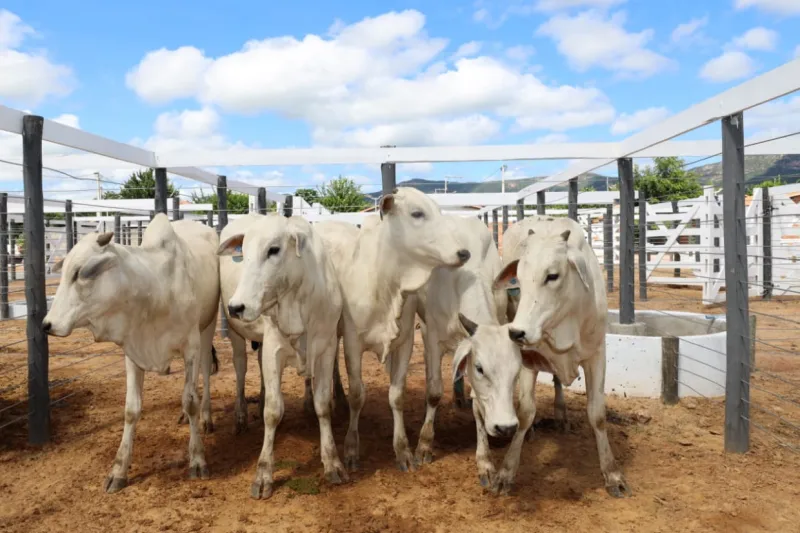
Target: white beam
776, 83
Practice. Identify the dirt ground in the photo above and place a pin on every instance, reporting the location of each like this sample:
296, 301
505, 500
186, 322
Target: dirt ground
673, 457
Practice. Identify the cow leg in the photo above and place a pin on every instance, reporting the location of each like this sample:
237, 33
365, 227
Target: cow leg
433, 392
339, 396
595, 372
400, 359
560, 405
191, 406
323, 354
272, 372
118, 478
206, 421
356, 394
486, 471
526, 412
240, 367
262, 389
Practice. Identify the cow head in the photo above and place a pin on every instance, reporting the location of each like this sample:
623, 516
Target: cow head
491, 362
418, 230
554, 282
89, 285
273, 254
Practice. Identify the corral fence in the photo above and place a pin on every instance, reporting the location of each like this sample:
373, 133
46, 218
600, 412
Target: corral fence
735, 251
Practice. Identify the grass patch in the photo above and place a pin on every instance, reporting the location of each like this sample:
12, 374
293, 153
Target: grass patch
304, 485
286, 463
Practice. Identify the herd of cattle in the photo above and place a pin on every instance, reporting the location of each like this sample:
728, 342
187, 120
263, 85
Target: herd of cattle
294, 289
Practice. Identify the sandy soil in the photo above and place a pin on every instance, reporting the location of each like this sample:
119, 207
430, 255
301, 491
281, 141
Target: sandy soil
672, 457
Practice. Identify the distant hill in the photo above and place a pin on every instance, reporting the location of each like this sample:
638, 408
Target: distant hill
757, 168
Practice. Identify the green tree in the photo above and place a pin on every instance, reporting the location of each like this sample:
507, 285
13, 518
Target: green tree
775, 182
309, 195
667, 181
140, 184
342, 195
238, 203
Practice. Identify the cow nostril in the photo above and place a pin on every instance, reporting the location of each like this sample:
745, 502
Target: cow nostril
516, 335
236, 310
46, 326
463, 255
505, 431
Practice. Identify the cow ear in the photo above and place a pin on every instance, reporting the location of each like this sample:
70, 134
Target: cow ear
56, 268
105, 238
577, 260
97, 265
460, 359
386, 204
507, 279
231, 245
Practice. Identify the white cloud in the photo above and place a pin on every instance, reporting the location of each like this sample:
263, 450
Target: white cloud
377, 81
770, 120
415, 168
593, 39
729, 66
780, 7
469, 49
758, 38
688, 31
520, 53
28, 78
555, 5
480, 15
643, 118
188, 124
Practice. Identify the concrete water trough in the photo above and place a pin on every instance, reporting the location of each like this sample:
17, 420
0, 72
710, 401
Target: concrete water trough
663, 353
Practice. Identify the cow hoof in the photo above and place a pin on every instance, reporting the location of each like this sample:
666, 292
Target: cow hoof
502, 483
207, 427
115, 484
529, 435
562, 425
424, 457
618, 488
337, 475
199, 472
260, 490
183, 419
241, 426
406, 462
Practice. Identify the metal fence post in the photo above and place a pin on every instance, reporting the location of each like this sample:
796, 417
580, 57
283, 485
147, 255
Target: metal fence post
75, 234
540, 203
642, 246
287, 205
117, 228
486, 218
161, 190
4, 309
737, 311
68, 225
139, 233
222, 221
626, 269
520, 209
388, 178
572, 206
262, 201
766, 240
35, 296
495, 227
505, 219
608, 246
210, 219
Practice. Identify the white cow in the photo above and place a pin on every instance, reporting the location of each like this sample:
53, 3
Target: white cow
230, 270
288, 281
157, 300
467, 290
380, 268
560, 324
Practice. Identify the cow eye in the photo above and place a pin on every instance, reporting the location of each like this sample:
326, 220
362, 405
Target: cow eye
551, 277
479, 368
273, 250
418, 214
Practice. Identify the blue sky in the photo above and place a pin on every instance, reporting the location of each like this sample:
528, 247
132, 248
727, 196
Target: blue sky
177, 75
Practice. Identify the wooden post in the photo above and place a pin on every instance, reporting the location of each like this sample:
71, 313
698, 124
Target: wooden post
68, 225
262, 201
766, 240
161, 190
626, 269
495, 228
505, 219
737, 382
486, 218
12, 254
287, 205
388, 178
572, 206
222, 221
670, 349
176, 207
608, 246
540, 203
117, 228
642, 246
520, 209
139, 233
4, 309
75, 234
35, 295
